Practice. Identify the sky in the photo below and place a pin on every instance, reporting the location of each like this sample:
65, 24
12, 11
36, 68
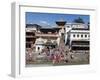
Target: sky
49, 19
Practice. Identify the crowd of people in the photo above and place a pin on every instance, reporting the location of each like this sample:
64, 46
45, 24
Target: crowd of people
53, 55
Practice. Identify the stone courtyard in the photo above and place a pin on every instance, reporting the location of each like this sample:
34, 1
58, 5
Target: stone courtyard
60, 55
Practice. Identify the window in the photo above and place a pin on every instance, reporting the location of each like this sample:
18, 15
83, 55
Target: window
38, 48
85, 35
68, 26
81, 35
88, 35
74, 35
77, 35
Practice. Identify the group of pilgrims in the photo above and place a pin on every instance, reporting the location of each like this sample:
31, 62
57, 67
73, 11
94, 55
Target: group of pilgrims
52, 55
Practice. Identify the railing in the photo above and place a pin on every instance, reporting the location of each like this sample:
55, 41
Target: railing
80, 45
49, 35
30, 36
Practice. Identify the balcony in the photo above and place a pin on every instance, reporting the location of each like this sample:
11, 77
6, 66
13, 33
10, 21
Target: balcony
30, 36
47, 35
80, 45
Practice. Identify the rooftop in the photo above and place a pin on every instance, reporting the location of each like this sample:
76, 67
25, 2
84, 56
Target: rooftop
33, 25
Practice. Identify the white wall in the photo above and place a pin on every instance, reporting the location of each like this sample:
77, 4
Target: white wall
5, 40
79, 37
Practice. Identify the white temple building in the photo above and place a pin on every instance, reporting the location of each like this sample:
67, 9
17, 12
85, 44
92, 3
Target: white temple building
39, 44
78, 36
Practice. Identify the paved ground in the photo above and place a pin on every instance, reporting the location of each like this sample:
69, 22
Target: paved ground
70, 58
76, 60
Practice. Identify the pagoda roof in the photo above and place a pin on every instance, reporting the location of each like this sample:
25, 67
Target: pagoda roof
49, 29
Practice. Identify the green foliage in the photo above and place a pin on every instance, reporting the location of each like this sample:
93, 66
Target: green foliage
78, 20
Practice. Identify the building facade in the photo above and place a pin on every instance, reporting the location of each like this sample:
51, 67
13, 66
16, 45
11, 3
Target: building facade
78, 36
74, 35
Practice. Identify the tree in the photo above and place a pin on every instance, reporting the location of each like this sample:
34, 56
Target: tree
78, 20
